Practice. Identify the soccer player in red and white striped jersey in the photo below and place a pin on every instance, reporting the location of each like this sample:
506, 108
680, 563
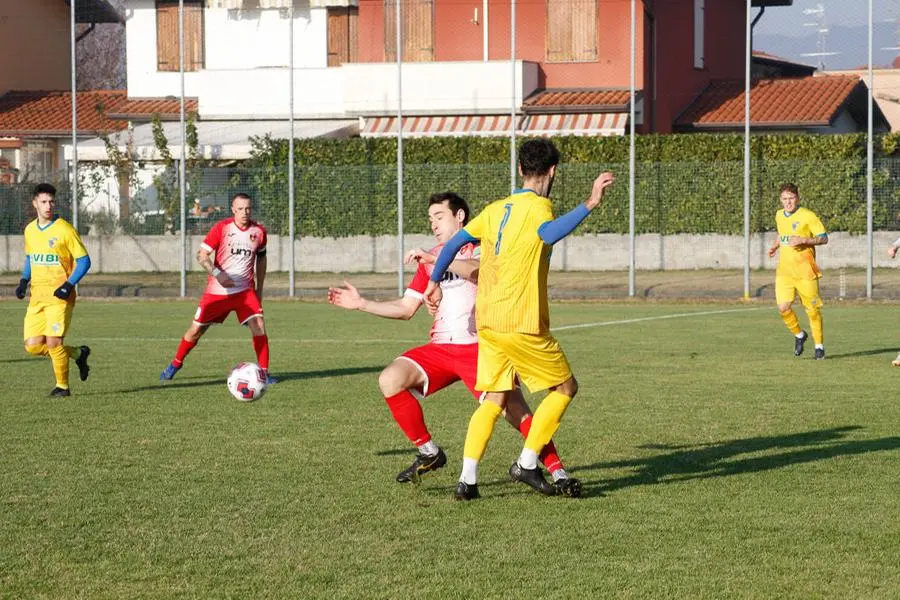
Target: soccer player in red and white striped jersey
452, 353
234, 255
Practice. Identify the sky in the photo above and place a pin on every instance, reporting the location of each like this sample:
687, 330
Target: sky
790, 20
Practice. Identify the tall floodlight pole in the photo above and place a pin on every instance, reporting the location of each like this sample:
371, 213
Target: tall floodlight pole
291, 201
512, 109
747, 58
74, 185
870, 151
631, 155
181, 176
398, 40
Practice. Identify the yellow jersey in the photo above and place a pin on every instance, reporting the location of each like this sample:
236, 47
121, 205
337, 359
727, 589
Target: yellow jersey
52, 251
512, 278
798, 262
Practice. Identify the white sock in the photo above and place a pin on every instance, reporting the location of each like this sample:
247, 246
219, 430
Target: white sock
429, 448
820, 346
560, 473
469, 471
528, 459
798, 335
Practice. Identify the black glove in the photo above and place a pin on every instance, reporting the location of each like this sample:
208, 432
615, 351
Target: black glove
64, 291
20, 290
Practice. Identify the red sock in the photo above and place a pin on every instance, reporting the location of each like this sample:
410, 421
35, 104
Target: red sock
183, 349
408, 413
261, 345
548, 455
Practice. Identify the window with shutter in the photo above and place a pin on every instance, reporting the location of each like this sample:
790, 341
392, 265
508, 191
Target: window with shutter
418, 30
167, 55
571, 30
342, 35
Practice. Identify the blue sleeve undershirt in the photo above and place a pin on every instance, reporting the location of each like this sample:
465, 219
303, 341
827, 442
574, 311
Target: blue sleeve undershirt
555, 230
449, 252
82, 265
26, 270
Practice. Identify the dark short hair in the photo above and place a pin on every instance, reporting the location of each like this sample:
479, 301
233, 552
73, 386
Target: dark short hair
537, 156
789, 187
454, 201
44, 188
241, 196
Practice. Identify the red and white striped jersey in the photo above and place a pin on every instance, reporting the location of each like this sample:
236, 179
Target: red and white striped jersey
235, 251
454, 322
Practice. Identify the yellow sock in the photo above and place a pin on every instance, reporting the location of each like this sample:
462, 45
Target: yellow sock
60, 359
815, 325
481, 426
546, 421
790, 319
37, 350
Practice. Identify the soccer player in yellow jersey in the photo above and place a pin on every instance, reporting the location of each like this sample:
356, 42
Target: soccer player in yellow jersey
55, 261
799, 232
512, 316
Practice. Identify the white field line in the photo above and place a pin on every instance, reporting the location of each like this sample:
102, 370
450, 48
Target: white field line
423, 340
657, 318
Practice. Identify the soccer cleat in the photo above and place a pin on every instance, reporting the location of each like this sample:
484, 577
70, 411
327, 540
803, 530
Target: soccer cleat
798, 343
270, 380
532, 477
820, 353
83, 368
60, 392
465, 491
168, 373
896, 361
569, 487
421, 465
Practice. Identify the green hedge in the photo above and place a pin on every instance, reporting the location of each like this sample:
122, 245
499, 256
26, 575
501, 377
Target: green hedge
684, 183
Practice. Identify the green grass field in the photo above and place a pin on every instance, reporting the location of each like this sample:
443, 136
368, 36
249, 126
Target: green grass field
716, 465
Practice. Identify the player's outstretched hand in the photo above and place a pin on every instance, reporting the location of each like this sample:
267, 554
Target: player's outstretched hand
420, 256
433, 297
64, 291
603, 181
20, 289
892, 252
224, 279
346, 297
772, 251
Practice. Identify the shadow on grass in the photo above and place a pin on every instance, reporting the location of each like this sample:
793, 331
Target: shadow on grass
872, 352
182, 383
720, 459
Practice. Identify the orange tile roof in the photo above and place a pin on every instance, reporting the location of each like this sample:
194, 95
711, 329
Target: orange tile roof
805, 101
582, 100
29, 113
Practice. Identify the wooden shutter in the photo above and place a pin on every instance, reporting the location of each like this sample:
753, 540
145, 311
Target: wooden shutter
167, 35
418, 30
342, 35
571, 30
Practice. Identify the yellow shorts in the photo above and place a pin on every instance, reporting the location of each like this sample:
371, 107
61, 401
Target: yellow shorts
48, 318
536, 359
787, 288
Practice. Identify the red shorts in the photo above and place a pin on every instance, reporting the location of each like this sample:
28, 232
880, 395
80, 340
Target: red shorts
443, 364
214, 308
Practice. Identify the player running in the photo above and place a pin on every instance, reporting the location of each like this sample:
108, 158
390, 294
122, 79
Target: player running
234, 255
452, 353
55, 261
517, 235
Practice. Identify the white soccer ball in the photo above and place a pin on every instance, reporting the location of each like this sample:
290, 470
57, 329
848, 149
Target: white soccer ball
247, 382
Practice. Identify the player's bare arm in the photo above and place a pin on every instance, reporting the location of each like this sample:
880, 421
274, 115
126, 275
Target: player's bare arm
774, 247
433, 296
348, 297
892, 249
205, 260
261, 264
798, 240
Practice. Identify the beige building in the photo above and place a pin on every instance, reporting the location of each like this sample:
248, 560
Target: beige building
886, 89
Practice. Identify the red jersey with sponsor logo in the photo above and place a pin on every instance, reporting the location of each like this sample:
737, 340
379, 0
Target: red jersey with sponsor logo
235, 251
454, 322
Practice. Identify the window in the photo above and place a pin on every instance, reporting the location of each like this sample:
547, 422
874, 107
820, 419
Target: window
418, 30
167, 55
571, 30
699, 30
37, 160
342, 35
